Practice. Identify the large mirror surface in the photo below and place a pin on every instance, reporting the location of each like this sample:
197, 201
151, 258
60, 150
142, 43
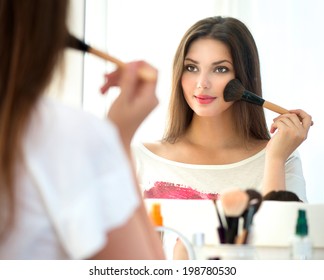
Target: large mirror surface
289, 39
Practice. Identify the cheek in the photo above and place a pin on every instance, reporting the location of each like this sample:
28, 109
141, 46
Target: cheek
188, 90
221, 84
186, 84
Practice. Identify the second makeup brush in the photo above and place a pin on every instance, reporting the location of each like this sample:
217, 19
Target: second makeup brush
78, 44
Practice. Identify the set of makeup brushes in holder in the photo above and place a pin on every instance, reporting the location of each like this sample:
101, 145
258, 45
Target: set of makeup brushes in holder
235, 211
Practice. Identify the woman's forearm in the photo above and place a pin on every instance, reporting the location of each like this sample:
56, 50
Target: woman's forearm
274, 178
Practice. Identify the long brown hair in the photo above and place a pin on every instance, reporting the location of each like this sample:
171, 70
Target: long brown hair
32, 36
250, 119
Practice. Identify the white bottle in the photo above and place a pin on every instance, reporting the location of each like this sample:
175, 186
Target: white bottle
301, 248
198, 242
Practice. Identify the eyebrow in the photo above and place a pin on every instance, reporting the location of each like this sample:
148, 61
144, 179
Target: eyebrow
214, 63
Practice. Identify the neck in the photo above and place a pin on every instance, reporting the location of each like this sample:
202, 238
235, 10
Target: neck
213, 132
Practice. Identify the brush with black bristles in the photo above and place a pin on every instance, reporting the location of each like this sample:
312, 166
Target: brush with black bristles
255, 200
239, 207
235, 91
78, 44
234, 204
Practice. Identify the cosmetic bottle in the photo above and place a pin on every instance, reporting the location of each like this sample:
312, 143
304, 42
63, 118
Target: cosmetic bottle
198, 243
156, 215
301, 247
198, 239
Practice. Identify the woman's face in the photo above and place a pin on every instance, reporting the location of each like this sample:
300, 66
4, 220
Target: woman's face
208, 67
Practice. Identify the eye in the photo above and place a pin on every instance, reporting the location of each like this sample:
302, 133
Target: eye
221, 69
191, 68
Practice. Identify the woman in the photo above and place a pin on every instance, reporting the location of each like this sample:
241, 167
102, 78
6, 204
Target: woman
211, 145
67, 188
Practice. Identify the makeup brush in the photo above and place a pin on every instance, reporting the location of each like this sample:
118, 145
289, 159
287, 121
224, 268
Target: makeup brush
255, 200
234, 204
235, 91
222, 228
78, 44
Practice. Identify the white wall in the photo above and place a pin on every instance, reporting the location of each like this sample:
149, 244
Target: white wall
290, 41
289, 38
69, 87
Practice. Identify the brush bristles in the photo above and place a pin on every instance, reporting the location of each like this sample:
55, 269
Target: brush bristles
234, 202
233, 90
76, 43
255, 198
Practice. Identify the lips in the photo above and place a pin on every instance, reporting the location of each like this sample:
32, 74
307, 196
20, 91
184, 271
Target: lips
205, 99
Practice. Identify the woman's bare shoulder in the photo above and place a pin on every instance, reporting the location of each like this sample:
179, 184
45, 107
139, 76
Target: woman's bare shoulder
160, 148
155, 147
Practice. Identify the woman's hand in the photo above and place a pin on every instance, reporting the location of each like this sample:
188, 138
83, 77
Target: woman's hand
136, 100
291, 130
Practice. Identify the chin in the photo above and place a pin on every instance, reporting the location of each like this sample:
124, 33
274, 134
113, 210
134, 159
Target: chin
205, 114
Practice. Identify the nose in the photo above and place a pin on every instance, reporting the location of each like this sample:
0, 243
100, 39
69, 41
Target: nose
203, 82
200, 85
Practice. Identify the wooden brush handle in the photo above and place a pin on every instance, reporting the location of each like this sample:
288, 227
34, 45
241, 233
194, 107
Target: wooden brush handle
145, 73
107, 57
276, 108
242, 238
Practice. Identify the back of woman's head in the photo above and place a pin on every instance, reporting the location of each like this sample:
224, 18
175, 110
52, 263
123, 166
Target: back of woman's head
250, 119
32, 37
33, 34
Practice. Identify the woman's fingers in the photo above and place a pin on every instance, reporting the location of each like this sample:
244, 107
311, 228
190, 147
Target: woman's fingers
111, 80
304, 118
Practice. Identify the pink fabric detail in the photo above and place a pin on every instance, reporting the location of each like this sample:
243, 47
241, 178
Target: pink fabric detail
176, 191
